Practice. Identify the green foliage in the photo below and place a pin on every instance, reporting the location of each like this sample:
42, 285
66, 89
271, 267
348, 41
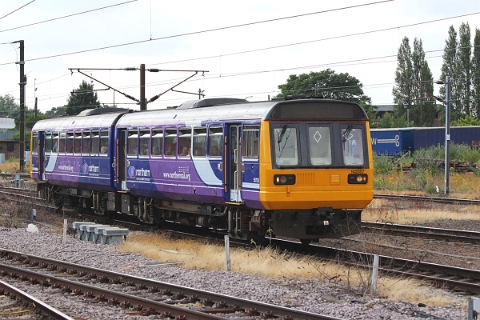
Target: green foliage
420, 177
325, 84
463, 66
391, 121
468, 120
56, 112
476, 74
29, 118
28, 135
382, 164
413, 88
82, 98
8, 107
464, 70
430, 188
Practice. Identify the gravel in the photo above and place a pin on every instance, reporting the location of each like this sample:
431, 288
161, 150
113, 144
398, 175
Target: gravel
309, 295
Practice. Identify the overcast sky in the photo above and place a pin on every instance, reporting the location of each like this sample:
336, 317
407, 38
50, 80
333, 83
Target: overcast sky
259, 44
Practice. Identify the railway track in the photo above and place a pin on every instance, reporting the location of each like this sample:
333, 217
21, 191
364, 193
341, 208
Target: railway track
440, 200
139, 295
21, 305
438, 234
455, 278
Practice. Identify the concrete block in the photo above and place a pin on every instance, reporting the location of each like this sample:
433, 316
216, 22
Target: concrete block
90, 229
98, 231
78, 231
113, 235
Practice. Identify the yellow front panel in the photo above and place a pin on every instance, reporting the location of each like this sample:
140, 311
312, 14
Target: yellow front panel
314, 187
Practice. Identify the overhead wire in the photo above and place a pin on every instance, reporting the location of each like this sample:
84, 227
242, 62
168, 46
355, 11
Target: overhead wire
67, 16
204, 31
293, 44
16, 9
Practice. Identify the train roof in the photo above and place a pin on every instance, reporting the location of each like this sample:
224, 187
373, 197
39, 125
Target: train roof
80, 121
305, 109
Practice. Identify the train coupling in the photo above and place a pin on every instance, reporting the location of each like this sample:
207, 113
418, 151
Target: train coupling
324, 216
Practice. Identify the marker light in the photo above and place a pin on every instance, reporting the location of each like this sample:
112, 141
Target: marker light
357, 178
284, 179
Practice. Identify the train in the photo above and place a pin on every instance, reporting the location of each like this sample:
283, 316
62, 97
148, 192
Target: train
293, 168
398, 141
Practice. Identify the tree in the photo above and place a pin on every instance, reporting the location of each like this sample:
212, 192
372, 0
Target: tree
56, 112
450, 68
413, 90
8, 107
325, 84
476, 75
82, 98
403, 89
464, 69
468, 120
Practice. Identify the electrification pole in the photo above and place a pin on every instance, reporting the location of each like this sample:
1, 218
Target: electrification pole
23, 81
447, 135
143, 102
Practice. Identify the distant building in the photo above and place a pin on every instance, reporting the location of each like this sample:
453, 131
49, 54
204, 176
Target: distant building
384, 108
5, 125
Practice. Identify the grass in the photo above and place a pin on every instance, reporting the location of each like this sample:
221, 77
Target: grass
273, 264
382, 210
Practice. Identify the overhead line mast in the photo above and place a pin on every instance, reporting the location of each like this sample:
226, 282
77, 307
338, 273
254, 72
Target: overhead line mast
142, 102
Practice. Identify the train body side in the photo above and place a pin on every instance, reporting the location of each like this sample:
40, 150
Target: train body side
396, 141
297, 168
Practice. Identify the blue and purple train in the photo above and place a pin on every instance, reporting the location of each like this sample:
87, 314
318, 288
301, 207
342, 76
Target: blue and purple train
292, 168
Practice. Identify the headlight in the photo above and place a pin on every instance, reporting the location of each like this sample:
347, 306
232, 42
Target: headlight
282, 179
357, 178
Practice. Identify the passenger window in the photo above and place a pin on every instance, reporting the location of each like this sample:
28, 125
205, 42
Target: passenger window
200, 142
70, 139
56, 142
104, 142
170, 142
285, 146
157, 142
61, 142
352, 140
319, 145
35, 143
144, 143
215, 139
77, 143
184, 142
132, 143
48, 143
86, 143
95, 142
250, 141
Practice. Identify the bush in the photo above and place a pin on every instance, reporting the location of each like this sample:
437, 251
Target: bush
382, 164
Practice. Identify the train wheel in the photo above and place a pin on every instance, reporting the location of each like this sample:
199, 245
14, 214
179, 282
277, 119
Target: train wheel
305, 242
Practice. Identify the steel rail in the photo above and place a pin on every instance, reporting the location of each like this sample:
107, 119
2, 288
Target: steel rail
108, 295
33, 302
428, 199
465, 236
263, 309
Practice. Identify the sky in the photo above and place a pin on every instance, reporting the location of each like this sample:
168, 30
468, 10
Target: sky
241, 49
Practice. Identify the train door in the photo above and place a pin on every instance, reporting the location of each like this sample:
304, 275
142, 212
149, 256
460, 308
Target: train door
233, 158
38, 146
122, 159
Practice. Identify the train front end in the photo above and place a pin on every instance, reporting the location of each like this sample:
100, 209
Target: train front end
316, 168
